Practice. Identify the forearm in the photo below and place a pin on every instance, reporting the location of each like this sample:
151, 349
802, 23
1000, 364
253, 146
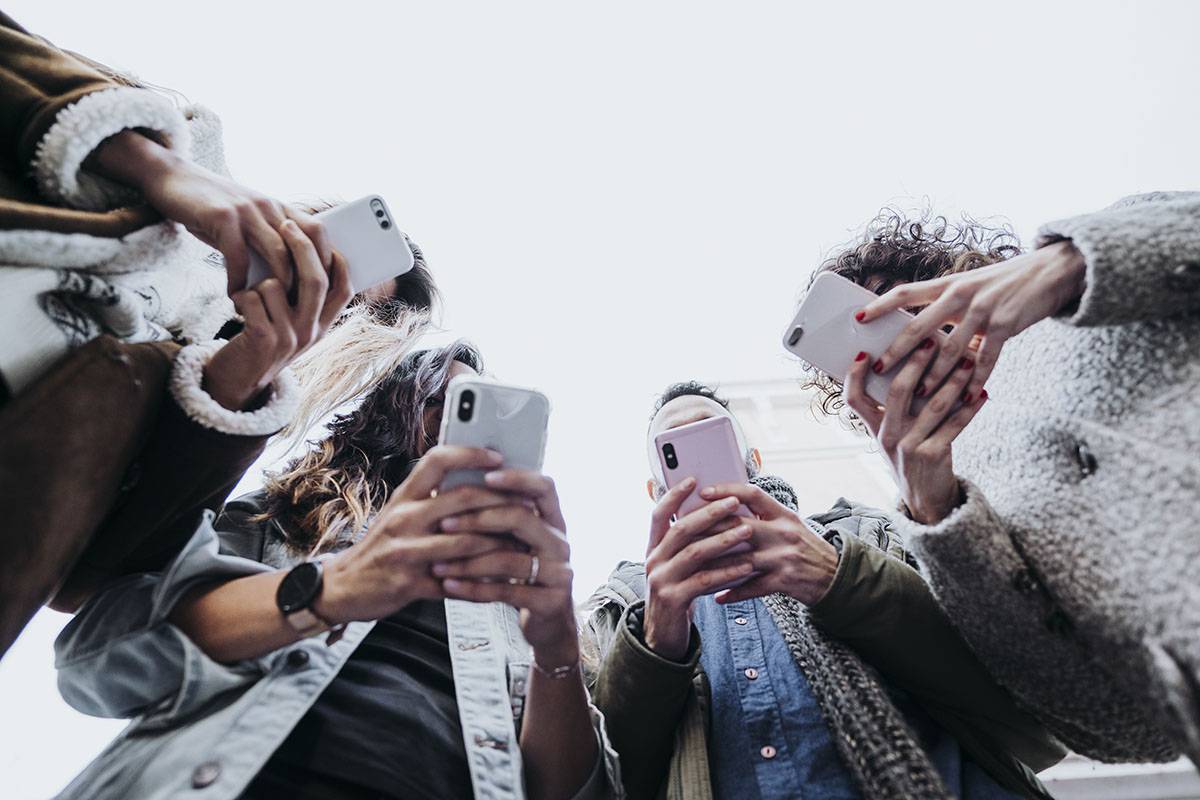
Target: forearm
558, 742
133, 159
236, 620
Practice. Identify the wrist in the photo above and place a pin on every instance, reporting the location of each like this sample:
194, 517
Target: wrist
224, 379
826, 558
669, 640
1065, 266
133, 159
554, 656
332, 604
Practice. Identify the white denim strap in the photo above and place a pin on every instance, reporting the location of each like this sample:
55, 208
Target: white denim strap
477, 655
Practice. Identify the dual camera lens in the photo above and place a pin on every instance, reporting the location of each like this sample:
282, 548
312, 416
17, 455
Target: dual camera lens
466, 405
672, 461
379, 213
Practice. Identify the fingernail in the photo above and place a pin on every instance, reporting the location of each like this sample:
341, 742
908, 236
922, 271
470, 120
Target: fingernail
451, 585
440, 569
860, 356
495, 458
689, 481
449, 524
743, 531
928, 343
966, 363
921, 390
493, 477
966, 397
983, 395
859, 316
707, 492
878, 367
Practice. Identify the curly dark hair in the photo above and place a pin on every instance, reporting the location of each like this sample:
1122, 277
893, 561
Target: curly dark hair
335, 487
684, 389
897, 248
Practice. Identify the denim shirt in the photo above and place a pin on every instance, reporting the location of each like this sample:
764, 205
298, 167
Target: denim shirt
202, 729
769, 739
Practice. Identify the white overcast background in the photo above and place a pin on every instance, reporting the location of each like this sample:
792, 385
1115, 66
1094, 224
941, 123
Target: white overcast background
614, 196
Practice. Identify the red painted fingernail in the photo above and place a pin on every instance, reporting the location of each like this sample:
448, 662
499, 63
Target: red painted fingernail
966, 397
983, 395
966, 363
928, 343
878, 367
860, 316
860, 356
921, 390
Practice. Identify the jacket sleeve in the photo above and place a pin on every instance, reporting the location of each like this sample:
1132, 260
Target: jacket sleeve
1013, 626
55, 110
1142, 256
882, 608
642, 697
195, 455
120, 656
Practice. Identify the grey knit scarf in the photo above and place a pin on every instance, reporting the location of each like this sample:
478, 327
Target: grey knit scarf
875, 741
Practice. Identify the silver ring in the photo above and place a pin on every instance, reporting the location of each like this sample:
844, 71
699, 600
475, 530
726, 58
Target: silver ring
534, 567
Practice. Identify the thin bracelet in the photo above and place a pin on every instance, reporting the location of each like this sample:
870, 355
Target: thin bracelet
557, 673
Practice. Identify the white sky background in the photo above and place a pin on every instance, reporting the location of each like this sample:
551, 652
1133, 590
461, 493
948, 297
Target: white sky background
620, 195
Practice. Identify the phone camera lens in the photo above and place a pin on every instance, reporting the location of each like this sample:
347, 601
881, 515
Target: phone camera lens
466, 406
379, 212
669, 456
385, 224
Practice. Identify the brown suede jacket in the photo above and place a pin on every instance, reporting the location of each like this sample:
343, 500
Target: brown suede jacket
102, 471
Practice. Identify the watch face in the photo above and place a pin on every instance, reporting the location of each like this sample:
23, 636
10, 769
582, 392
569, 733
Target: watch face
299, 587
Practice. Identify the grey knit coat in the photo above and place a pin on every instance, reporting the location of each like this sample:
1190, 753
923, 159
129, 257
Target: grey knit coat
1071, 569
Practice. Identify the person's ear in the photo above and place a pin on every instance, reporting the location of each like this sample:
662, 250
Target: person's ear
756, 457
650, 488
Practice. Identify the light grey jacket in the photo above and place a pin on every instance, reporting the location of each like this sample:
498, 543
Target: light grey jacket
202, 729
1071, 569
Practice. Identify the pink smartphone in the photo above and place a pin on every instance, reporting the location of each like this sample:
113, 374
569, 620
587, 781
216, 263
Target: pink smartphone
707, 451
825, 334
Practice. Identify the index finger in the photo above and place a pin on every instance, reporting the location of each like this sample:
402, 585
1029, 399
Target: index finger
666, 508
759, 502
925, 325
432, 469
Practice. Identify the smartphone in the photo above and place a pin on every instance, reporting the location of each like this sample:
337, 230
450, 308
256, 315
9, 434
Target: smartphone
508, 419
825, 334
367, 237
707, 451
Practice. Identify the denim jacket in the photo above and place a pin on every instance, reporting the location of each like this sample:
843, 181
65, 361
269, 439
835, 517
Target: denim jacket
202, 729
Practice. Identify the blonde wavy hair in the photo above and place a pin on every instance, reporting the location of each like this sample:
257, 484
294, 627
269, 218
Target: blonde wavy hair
324, 498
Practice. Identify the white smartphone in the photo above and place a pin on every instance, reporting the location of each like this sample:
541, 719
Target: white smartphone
825, 334
366, 235
508, 419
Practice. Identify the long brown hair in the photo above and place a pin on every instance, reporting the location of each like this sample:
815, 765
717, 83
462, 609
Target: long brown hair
326, 496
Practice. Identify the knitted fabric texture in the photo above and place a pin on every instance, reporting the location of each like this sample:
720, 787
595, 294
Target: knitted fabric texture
874, 740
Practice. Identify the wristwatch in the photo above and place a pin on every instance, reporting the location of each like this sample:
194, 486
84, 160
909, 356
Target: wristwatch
297, 592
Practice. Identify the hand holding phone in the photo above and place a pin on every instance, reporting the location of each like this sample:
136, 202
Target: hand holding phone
510, 420
367, 237
826, 334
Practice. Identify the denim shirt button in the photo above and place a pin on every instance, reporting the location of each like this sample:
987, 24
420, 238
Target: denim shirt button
751, 673
206, 774
767, 752
297, 658
740, 620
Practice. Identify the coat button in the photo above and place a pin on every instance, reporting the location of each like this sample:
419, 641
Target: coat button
206, 774
297, 658
767, 752
1087, 461
740, 620
1184, 276
751, 673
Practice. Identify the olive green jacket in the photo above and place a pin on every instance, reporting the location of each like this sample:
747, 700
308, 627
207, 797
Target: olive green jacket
657, 710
